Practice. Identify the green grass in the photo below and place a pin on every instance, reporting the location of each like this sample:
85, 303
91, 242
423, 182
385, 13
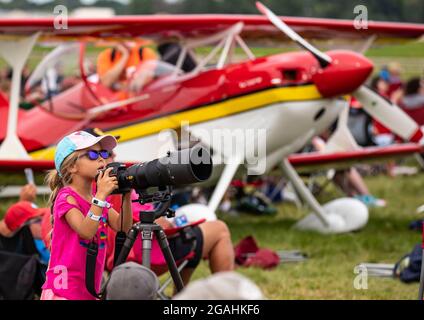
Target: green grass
329, 271
328, 274
407, 50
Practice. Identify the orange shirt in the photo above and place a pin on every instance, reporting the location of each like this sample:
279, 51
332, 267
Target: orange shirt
105, 63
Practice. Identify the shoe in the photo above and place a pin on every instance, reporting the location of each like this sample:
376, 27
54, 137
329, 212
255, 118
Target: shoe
371, 201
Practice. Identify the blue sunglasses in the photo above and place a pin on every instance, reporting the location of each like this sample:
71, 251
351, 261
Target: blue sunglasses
94, 154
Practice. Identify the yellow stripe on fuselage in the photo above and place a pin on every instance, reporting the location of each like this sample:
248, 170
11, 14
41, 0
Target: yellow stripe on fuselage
207, 113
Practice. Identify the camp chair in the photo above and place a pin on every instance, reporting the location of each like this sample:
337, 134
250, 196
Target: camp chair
22, 242
21, 272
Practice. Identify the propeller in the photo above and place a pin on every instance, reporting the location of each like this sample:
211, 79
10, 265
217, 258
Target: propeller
323, 59
388, 113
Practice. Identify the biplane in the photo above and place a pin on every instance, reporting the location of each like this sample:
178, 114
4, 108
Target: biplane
293, 96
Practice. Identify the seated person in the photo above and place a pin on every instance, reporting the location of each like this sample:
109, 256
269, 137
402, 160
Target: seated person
131, 281
213, 242
222, 286
170, 53
26, 212
116, 66
350, 181
414, 95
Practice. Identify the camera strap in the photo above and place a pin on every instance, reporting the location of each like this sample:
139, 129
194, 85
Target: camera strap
120, 237
91, 259
90, 268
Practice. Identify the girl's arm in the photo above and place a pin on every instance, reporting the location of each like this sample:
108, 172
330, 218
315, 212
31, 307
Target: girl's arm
84, 226
164, 223
115, 218
112, 75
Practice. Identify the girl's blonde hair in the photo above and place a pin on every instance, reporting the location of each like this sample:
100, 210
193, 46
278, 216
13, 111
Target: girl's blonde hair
56, 182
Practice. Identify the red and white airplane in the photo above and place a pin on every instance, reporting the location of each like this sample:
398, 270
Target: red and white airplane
293, 96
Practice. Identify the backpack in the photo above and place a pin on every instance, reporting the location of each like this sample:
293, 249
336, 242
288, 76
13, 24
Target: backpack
408, 268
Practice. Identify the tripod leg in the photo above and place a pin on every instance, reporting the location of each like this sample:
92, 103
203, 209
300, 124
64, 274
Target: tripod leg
421, 289
128, 244
164, 245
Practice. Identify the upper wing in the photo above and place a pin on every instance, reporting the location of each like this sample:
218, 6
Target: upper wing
164, 26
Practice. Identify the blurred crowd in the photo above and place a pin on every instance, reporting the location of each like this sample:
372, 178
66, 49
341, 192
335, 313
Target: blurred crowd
408, 95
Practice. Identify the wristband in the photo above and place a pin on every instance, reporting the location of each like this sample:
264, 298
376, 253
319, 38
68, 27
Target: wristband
94, 217
100, 203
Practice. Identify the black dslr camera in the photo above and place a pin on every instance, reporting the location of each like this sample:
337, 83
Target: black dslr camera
177, 168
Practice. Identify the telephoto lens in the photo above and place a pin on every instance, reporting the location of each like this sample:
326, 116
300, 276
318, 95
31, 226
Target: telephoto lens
177, 168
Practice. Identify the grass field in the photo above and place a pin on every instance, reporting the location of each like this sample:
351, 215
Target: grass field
329, 271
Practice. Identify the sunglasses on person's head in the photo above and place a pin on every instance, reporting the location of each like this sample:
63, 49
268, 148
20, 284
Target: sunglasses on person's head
94, 154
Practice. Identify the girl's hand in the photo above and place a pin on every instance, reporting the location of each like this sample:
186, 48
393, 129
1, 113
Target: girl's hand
106, 184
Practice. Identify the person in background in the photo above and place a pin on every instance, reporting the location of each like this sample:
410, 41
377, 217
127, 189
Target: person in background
117, 66
132, 281
351, 182
26, 212
414, 94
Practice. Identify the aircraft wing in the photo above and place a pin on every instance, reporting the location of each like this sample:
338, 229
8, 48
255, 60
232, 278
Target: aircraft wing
312, 161
192, 26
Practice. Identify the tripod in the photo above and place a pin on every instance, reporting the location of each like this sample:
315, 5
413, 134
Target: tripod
147, 227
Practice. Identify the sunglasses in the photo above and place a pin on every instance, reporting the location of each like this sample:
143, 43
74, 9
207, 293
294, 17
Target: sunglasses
94, 154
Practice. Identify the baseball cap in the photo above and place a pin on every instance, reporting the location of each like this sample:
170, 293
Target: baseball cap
221, 286
132, 281
80, 140
18, 214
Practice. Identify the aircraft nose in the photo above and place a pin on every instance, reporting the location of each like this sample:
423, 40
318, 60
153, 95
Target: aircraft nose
346, 73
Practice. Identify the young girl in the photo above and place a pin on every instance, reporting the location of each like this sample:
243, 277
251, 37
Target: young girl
79, 215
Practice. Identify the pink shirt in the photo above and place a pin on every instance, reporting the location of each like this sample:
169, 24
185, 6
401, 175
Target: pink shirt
66, 272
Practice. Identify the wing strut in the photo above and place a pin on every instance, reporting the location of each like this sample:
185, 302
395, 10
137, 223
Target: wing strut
16, 54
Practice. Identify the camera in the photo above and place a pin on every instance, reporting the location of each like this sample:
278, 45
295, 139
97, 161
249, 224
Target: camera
177, 168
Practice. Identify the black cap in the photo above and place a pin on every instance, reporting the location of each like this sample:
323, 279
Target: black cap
98, 132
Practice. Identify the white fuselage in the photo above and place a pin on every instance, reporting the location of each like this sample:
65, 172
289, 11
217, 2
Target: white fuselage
283, 123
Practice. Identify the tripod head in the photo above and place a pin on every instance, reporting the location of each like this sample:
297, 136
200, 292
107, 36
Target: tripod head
162, 198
